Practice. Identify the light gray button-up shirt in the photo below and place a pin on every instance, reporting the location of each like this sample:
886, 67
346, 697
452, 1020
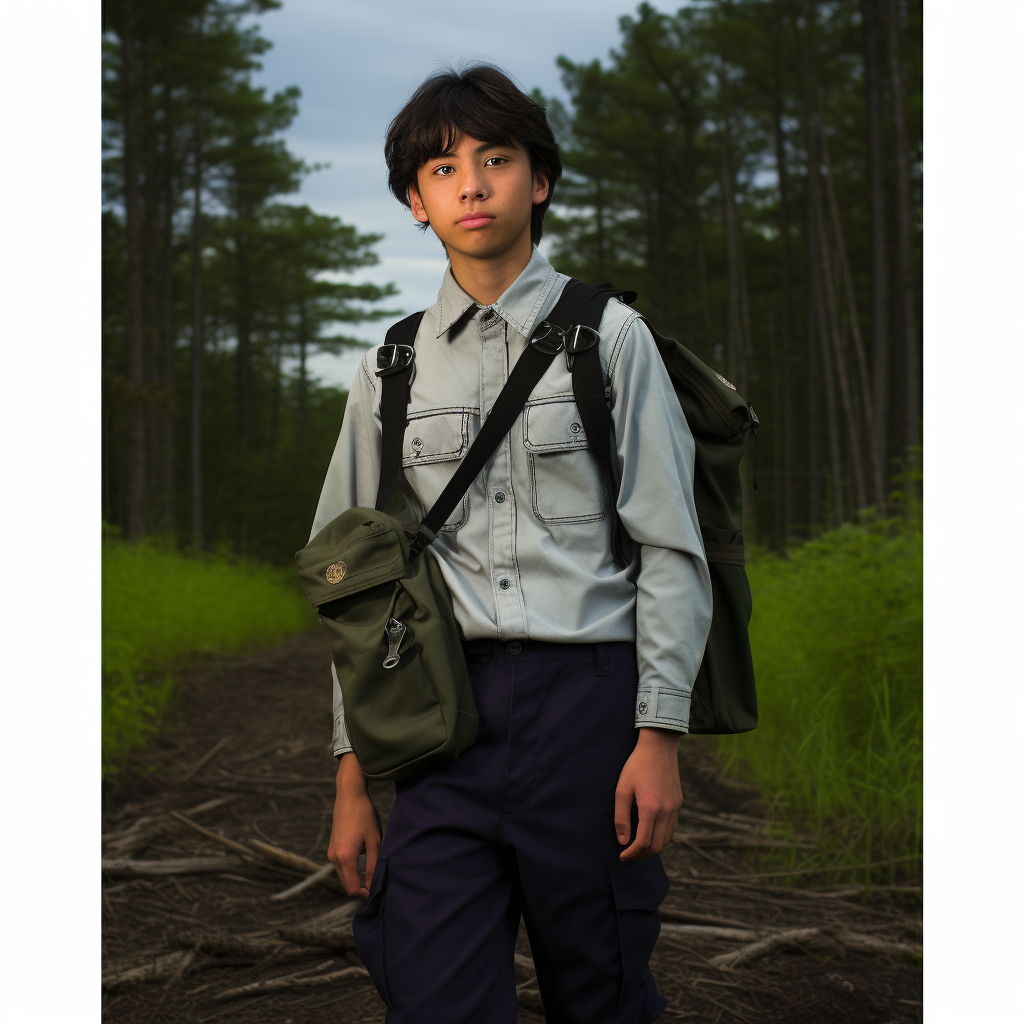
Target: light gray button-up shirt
527, 553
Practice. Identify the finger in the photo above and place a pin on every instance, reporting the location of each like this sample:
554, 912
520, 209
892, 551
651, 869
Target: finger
623, 806
644, 834
350, 874
372, 850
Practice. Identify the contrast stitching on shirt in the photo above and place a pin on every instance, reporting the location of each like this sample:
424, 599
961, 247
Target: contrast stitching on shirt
445, 456
590, 517
572, 444
362, 363
441, 410
452, 527
630, 320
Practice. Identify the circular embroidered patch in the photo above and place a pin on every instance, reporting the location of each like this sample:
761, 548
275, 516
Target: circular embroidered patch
336, 573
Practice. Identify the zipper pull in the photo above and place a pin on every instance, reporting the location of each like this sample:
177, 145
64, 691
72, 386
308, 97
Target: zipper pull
393, 633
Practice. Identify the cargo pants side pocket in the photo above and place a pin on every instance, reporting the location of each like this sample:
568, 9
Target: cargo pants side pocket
638, 890
368, 929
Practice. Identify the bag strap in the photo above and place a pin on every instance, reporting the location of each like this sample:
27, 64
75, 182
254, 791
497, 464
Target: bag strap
395, 359
588, 391
548, 339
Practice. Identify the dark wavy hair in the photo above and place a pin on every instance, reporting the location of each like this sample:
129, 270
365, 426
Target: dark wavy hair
482, 102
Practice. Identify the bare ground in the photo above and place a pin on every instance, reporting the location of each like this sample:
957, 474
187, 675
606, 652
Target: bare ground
253, 732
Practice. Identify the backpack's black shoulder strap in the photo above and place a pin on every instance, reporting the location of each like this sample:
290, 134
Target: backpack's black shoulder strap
588, 390
395, 360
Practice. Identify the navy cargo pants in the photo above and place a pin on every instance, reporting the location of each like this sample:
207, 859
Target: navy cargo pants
522, 823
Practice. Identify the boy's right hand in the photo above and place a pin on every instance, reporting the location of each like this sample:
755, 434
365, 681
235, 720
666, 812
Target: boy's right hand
355, 829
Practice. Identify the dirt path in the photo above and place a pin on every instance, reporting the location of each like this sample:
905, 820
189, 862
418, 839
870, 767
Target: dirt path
252, 735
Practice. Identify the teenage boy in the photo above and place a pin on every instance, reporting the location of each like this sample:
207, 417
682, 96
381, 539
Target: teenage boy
581, 671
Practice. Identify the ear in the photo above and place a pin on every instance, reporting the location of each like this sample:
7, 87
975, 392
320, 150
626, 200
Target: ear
416, 204
540, 186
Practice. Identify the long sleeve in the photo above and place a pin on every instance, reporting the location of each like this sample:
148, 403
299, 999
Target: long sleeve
656, 505
351, 482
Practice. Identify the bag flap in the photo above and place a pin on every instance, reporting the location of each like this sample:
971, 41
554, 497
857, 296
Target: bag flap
359, 549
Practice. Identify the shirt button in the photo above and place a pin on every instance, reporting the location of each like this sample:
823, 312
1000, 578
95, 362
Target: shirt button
514, 648
417, 445
488, 316
499, 497
575, 428
504, 583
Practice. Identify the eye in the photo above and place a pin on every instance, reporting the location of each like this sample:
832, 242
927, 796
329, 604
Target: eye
494, 161
444, 170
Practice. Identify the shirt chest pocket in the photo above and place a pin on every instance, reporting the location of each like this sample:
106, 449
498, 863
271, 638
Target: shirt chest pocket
435, 442
566, 482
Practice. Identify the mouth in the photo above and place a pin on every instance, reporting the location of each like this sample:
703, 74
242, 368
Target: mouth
477, 219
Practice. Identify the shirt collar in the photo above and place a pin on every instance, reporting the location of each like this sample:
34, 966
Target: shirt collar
518, 305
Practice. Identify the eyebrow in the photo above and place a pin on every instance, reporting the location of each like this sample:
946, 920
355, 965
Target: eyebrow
479, 149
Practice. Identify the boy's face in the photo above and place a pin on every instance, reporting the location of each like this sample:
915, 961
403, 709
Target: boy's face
479, 198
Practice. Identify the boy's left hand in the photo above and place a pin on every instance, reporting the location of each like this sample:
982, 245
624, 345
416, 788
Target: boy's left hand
650, 777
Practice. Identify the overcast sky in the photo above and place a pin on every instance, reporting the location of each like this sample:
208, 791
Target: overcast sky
357, 62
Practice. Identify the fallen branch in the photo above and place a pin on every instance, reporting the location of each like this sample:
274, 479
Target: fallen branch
238, 848
189, 772
762, 947
688, 917
246, 947
710, 932
528, 996
332, 930
160, 969
295, 862
873, 944
291, 981
170, 866
732, 839
318, 876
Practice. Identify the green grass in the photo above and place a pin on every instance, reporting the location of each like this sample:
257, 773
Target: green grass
160, 607
836, 638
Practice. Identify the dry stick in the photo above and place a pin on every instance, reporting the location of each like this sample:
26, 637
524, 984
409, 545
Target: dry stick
318, 876
215, 836
246, 947
710, 932
686, 917
528, 995
707, 856
763, 947
171, 866
156, 970
872, 944
731, 839
290, 981
295, 862
222, 742
333, 929
811, 871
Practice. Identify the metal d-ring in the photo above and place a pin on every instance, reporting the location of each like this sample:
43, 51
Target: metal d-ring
579, 338
549, 338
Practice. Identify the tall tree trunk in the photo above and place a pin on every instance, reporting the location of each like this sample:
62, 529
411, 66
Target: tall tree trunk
843, 261
879, 298
912, 361
736, 347
197, 349
243, 389
303, 387
165, 333
830, 319
813, 436
136, 467
784, 408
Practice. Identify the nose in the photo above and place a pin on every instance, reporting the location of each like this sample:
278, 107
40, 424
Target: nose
473, 186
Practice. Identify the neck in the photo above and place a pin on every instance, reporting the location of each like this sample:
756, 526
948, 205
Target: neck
484, 279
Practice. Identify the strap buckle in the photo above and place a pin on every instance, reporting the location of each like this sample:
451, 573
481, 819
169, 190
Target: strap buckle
394, 359
579, 339
549, 338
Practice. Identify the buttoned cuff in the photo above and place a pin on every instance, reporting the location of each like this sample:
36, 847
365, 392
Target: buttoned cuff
341, 743
664, 708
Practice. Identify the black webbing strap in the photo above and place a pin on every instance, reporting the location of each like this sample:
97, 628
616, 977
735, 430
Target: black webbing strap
524, 377
588, 391
394, 403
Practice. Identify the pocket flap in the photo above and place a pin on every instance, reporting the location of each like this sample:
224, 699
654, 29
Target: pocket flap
639, 886
435, 437
359, 549
553, 426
